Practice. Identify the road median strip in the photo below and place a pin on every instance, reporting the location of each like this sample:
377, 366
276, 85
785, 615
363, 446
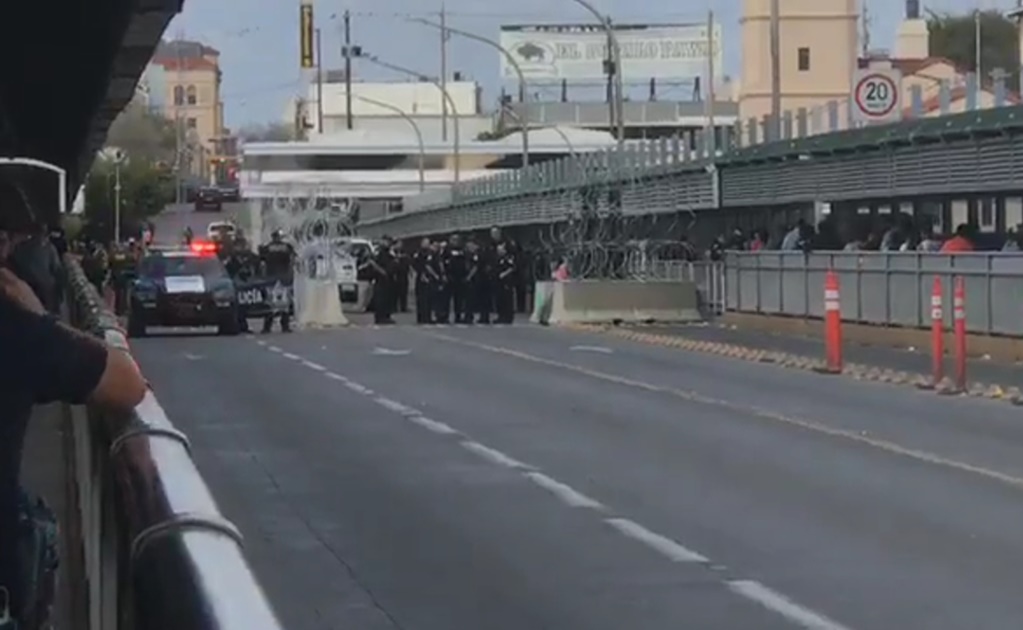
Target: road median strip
858, 371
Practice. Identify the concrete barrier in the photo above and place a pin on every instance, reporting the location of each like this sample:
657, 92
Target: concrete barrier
317, 303
600, 301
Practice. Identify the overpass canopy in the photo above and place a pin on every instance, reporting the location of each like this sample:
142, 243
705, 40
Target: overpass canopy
69, 67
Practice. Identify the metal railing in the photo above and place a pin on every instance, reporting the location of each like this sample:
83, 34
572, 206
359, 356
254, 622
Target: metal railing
157, 553
888, 289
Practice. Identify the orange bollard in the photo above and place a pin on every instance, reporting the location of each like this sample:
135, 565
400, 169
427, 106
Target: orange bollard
937, 333
832, 324
959, 330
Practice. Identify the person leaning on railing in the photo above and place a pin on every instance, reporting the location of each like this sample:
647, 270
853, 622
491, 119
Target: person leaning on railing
42, 361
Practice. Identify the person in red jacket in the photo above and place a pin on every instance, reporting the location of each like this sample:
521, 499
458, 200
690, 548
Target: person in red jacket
962, 241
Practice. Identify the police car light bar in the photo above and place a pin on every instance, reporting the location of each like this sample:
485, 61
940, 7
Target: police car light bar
204, 248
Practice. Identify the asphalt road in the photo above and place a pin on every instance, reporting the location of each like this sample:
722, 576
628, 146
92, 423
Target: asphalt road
529, 478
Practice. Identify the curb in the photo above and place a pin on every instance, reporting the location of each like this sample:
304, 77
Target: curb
858, 371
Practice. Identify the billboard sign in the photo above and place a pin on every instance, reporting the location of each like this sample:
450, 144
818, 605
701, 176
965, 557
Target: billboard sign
551, 52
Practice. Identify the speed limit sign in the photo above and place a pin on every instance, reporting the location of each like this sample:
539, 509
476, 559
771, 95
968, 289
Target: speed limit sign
877, 95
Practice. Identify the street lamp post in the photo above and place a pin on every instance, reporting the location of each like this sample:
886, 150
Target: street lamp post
415, 127
447, 98
524, 126
558, 130
616, 59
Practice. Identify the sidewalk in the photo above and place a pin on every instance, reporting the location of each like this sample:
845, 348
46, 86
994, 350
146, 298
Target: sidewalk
915, 361
44, 472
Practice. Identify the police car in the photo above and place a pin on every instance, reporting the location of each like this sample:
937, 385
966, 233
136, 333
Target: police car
187, 287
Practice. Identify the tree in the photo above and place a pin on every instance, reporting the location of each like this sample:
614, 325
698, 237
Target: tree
955, 38
146, 189
270, 132
144, 135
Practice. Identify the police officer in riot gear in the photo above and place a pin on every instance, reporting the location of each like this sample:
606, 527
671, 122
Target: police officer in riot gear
427, 281
456, 267
382, 267
279, 258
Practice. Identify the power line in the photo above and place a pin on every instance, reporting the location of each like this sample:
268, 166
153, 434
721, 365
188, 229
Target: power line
545, 16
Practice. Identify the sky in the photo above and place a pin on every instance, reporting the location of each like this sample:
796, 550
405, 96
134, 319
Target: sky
259, 40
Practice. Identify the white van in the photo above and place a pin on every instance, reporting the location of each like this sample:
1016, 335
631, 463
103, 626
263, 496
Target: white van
348, 251
221, 231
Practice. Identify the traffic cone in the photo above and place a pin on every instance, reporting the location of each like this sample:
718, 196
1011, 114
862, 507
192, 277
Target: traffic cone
832, 324
959, 330
937, 333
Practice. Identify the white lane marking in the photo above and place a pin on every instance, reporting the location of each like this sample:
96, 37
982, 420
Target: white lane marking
675, 552
358, 389
193, 357
395, 406
314, 366
293, 357
274, 349
387, 352
758, 412
662, 545
776, 602
432, 425
493, 456
568, 495
598, 349
258, 341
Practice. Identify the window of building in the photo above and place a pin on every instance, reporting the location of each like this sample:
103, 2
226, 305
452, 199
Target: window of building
191, 123
192, 97
804, 59
179, 95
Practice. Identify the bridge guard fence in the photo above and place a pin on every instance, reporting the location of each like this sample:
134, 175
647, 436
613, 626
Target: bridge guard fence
888, 289
156, 552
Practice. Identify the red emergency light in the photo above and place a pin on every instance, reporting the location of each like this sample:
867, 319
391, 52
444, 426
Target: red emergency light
204, 247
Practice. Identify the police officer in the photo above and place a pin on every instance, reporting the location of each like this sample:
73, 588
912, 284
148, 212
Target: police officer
456, 267
427, 281
279, 258
441, 304
382, 266
507, 276
478, 284
244, 266
122, 272
402, 267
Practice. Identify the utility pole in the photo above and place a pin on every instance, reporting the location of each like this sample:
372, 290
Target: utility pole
775, 127
444, 72
712, 144
179, 122
319, 83
348, 70
865, 27
978, 48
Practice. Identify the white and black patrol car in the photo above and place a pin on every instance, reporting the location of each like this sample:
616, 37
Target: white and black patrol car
182, 288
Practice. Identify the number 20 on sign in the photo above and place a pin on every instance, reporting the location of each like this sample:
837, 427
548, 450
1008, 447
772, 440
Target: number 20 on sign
876, 96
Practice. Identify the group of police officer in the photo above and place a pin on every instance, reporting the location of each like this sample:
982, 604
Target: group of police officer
275, 261
473, 282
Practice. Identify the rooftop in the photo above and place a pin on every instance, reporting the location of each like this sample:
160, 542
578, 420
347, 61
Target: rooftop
367, 142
